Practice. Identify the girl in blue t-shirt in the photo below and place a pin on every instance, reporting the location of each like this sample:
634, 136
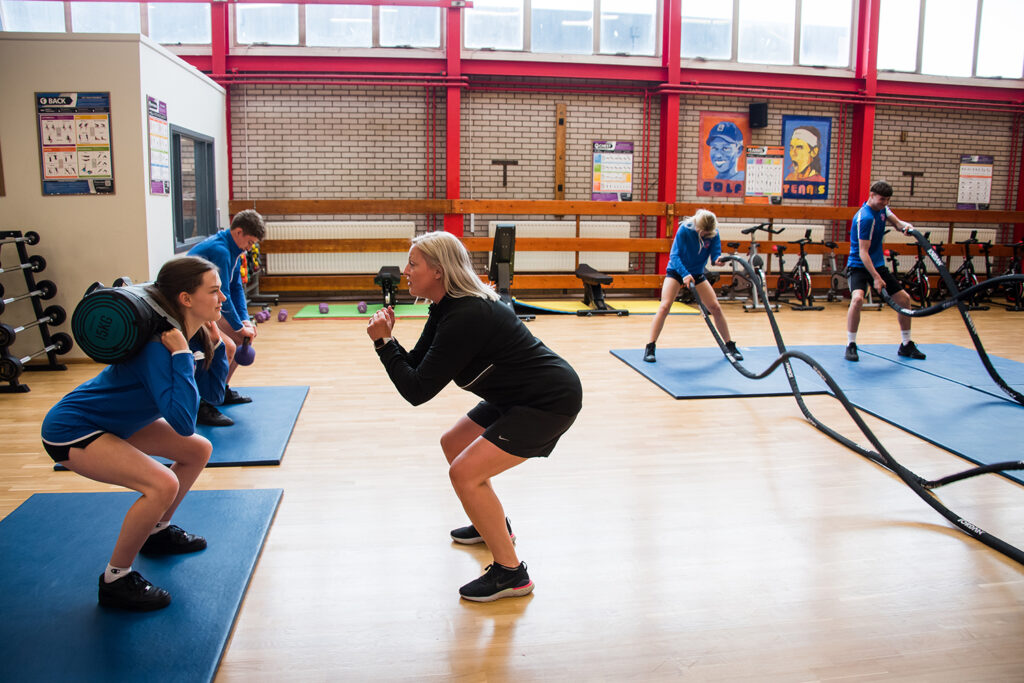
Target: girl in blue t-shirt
696, 241
107, 428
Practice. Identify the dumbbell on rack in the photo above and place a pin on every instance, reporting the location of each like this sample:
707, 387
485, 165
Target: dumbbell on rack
54, 315
36, 263
11, 367
44, 290
30, 237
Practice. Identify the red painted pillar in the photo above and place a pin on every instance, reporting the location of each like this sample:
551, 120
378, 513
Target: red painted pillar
863, 128
1018, 228
453, 223
668, 132
218, 65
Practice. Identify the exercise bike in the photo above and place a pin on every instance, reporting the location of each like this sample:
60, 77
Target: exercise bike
740, 280
915, 280
1013, 292
964, 276
798, 280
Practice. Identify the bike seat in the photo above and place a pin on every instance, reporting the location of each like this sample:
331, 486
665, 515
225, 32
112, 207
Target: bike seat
592, 276
830, 245
734, 245
780, 248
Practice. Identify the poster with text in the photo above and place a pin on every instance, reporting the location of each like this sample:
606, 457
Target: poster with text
159, 147
721, 160
764, 173
613, 171
75, 155
806, 141
975, 186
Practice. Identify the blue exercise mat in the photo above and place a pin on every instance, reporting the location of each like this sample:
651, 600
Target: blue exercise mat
705, 373
958, 364
261, 430
53, 549
970, 423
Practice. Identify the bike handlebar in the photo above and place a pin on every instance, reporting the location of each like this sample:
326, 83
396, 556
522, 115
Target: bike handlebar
763, 226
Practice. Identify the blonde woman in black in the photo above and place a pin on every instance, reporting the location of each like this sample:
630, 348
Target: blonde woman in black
531, 396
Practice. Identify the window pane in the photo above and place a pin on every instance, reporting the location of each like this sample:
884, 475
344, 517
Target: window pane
766, 31
496, 24
104, 17
897, 34
407, 26
275, 24
948, 48
1000, 49
174, 22
627, 26
707, 29
825, 32
33, 16
565, 26
339, 25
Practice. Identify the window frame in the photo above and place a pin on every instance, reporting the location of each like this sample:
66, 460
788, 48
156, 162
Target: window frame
206, 188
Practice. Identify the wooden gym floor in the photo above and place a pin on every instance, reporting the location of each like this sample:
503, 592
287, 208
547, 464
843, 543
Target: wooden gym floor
706, 540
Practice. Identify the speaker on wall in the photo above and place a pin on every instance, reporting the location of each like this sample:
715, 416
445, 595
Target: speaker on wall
758, 114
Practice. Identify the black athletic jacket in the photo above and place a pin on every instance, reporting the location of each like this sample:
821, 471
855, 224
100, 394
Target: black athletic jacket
487, 350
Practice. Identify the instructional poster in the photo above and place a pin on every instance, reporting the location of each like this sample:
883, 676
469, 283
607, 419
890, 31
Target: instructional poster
613, 171
75, 154
975, 185
159, 147
764, 173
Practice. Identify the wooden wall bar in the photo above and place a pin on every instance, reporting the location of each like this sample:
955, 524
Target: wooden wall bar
759, 212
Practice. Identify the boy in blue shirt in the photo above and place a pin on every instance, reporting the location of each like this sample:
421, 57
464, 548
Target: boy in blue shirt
696, 241
226, 249
867, 268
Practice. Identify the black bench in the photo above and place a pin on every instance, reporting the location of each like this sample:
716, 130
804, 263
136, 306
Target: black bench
593, 295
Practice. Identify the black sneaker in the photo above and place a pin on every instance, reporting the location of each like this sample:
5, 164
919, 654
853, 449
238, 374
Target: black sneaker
210, 416
649, 353
851, 352
730, 346
468, 535
232, 397
134, 593
498, 582
910, 350
172, 540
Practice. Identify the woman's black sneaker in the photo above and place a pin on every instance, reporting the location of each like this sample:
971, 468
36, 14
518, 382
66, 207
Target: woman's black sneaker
468, 535
649, 353
730, 346
232, 397
172, 540
133, 593
211, 417
498, 582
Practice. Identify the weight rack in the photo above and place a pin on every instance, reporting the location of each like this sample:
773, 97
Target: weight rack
27, 265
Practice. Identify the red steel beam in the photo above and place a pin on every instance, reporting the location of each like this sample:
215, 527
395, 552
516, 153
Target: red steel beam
453, 223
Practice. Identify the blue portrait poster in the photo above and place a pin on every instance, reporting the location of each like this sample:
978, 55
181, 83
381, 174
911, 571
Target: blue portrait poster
806, 155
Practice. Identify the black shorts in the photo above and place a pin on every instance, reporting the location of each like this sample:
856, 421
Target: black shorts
697, 279
520, 430
60, 453
861, 279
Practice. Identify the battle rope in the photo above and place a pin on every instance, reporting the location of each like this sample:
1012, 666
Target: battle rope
957, 300
880, 455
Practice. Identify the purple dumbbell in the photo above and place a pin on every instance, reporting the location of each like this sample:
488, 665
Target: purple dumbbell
282, 315
324, 309
361, 307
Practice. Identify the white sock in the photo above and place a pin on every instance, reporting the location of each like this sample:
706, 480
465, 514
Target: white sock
160, 526
113, 573
851, 337
905, 335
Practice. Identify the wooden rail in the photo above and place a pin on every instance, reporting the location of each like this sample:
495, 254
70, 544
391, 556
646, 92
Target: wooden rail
568, 281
